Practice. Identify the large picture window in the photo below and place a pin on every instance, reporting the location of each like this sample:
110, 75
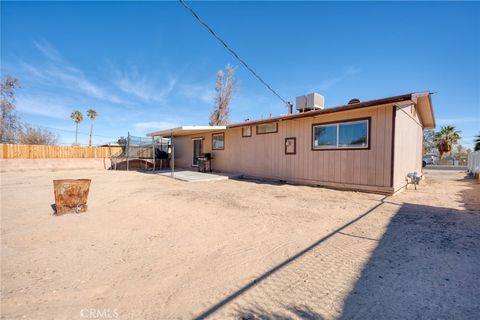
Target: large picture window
341, 135
325, 136
267, 128
218, 141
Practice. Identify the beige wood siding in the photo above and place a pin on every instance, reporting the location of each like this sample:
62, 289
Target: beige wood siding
408, 144
184, 148
263, 155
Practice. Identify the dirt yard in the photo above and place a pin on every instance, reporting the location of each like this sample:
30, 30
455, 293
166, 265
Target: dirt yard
150, 247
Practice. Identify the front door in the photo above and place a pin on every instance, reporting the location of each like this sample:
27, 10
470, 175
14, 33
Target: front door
197, 150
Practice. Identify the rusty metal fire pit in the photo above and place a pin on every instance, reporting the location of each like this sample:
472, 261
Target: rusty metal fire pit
71, 195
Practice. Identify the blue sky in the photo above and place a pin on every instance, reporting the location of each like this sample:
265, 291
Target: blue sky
149, 65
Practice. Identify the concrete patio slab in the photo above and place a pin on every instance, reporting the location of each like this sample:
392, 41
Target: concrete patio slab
195, 176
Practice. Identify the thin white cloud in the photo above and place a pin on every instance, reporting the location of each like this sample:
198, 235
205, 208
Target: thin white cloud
41, 106
48, 50
157, 125
198, 92
348, 73
53, 87
59, 72
32, 71
141, 87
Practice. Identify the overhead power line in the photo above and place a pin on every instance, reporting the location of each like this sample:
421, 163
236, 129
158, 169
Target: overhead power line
231, 51
70, 131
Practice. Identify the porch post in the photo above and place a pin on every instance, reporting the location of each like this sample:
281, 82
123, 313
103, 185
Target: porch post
153, 154
128, 153
173, 155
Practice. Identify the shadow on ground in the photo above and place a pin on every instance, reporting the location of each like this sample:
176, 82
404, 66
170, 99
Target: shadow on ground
302, 312
426, 266
272, 182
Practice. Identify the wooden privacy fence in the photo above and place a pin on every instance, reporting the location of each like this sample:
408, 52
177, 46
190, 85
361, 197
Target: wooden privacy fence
19, 151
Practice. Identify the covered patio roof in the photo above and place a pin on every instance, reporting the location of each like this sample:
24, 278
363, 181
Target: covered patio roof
185, 130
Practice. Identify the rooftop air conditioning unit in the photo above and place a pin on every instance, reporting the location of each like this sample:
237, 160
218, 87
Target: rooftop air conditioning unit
309, 102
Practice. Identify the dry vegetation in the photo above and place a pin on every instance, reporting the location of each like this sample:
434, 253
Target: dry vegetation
154, 248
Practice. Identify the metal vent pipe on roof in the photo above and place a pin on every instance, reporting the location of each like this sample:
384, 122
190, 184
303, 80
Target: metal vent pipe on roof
290, 107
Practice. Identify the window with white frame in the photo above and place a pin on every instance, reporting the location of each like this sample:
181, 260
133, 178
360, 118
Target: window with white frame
341, 135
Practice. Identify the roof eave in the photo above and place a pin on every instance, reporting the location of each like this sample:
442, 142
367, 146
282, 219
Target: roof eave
365, 104
425, 109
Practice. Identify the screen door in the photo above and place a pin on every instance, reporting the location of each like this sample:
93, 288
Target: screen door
197, 150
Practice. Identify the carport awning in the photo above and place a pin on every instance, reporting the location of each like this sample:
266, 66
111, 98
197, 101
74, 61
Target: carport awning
185, 131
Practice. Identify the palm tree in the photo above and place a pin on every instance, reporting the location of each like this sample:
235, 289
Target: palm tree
77, 117
92, 114
477, 142
446, 138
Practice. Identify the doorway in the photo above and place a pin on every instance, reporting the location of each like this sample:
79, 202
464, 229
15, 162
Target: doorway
197, 150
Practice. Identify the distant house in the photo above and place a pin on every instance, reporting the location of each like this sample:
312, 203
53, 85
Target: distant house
369, 146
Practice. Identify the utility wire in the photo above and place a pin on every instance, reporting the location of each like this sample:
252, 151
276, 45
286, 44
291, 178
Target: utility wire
231, 50
72, 131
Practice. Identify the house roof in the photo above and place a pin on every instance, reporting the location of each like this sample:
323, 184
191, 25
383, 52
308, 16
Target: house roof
422, 99
425, 109
186, 130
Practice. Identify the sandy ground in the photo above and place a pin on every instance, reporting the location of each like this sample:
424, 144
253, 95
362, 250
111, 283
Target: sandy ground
154, 248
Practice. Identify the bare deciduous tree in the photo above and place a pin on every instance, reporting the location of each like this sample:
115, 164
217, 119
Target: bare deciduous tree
12, 128
428, 141
224, 89
10, 123
30, 135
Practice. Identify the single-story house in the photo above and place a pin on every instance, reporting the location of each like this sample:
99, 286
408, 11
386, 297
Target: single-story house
363, 145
